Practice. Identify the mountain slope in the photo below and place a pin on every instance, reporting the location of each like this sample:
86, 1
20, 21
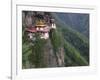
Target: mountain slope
77, 21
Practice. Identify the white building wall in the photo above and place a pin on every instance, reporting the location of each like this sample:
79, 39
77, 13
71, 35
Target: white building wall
53, 26
45, 36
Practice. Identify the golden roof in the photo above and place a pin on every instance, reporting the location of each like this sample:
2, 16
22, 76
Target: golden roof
40, 23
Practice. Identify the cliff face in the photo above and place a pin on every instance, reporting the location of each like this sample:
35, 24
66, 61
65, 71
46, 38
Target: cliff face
60, 57
51, 58
43, 55
50, 52
41, 52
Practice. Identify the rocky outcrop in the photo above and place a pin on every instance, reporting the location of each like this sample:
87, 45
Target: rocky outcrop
51, 58
60, 57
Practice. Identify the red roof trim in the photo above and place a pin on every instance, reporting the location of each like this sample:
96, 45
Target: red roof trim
31, 29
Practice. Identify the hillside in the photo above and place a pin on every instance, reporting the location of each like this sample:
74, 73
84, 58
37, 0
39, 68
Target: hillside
76, 21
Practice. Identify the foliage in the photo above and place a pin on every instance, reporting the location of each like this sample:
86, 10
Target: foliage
74, 55
56, 40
